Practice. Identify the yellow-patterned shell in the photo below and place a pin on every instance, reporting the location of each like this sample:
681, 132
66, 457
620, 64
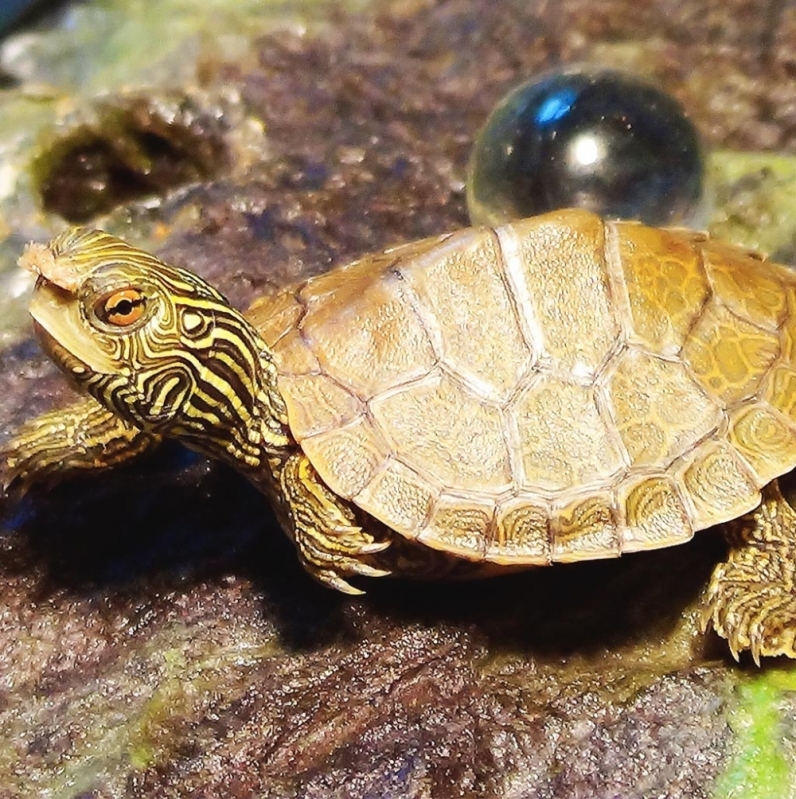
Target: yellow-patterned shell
556, 389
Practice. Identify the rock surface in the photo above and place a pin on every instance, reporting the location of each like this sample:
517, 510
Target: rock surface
157, 636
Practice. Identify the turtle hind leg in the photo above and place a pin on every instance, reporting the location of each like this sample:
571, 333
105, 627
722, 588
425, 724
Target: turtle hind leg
331, 544
751, 600
55, 446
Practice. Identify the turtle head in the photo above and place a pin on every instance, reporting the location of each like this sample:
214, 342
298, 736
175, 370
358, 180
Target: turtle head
156, 345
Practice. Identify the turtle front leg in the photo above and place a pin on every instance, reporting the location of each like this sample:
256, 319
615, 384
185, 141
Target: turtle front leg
60, 444
751, 600
331, 545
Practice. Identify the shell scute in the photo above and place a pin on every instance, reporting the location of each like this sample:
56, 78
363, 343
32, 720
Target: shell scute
728, 355
463, 294
763, 438
654, 512
443, 430
779, 389
522, 533
293, 355
788, 328
665, 281
365, 333
460, 525
659, 408
719, 484
586, 529
319, 404
276, 316
556, 266
407, 499
348, 457
754, 294
564, 440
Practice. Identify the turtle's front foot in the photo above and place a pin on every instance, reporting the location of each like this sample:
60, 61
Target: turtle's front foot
751, 600
331, 545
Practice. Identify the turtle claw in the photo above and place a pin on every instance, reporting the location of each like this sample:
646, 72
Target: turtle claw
14, 473
330, 561
705, 619
755, 648
332, 575
373, 549
365, 570
331, 579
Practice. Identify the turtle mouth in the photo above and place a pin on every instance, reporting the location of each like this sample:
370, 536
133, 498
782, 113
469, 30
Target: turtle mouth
70, 364
49, 304
64, 333
50, 307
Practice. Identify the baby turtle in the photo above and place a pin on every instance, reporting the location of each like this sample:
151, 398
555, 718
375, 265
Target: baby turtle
553, 390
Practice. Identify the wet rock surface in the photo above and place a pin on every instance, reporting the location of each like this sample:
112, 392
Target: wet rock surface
131, 148
158, 637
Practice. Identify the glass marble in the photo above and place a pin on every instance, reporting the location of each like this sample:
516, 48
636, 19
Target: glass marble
588, 137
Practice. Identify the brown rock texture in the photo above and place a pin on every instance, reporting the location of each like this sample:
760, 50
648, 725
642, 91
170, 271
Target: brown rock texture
157, 636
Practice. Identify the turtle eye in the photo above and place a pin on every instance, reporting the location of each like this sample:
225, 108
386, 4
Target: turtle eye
121, 308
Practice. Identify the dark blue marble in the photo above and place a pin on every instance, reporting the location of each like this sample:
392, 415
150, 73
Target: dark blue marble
592, 138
